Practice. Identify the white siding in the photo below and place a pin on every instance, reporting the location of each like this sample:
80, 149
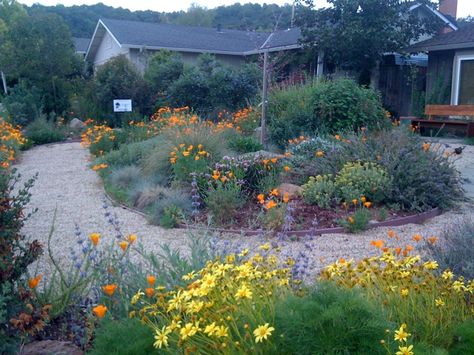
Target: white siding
108, 49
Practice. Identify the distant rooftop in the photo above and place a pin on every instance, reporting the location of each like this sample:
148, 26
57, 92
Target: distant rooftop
462, 38
133, 34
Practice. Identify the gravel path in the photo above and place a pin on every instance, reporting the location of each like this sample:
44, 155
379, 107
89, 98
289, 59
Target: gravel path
67, 185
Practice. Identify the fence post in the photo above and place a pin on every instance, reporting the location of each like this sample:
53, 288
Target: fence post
263, 128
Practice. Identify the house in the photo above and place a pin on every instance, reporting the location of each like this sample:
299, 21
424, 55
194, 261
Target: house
450, 77
139, 40
81, 45
402, 78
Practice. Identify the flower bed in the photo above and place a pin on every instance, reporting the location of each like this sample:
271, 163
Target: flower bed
178, 169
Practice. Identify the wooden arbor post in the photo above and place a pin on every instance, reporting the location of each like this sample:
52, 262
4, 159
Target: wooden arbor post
263, 128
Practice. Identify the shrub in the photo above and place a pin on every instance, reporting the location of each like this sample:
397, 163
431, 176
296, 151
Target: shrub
224, 201
118, 78
456, 251
330, 320
362, 179
242, 144
24, 103
327, 106
20, 315
320, 190
358, 222
163, 69
422, 176
411, 290
43, 131
110, 337
172, 217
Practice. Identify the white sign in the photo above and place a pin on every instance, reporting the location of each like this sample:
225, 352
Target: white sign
122, 105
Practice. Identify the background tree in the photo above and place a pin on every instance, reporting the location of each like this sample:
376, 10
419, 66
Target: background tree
38, 51
163, 69
354, 34
119, 79
196, 16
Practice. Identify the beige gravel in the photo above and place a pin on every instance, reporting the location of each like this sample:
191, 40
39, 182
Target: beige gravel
67, 185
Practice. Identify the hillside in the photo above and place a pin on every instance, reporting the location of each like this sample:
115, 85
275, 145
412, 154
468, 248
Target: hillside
83, 19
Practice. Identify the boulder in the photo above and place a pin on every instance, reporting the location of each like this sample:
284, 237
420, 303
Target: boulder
47, 347
76, 123
290, 189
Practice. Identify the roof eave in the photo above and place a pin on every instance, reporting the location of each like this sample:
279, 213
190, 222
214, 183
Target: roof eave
274, 49
443, 47
178, 49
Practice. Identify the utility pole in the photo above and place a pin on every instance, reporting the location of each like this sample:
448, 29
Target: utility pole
293, 15
4, 81
263, 128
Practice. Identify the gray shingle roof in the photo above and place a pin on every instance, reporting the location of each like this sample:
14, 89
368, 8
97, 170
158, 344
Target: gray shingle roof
132, 33
462, 38
81, 44
284, 38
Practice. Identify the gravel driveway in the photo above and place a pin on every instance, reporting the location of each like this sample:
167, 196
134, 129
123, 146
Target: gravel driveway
66, 184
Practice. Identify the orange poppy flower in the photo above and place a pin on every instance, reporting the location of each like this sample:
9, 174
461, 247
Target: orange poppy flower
132, 238
109, 289
286, 197
99, 311
377, 243
367, 204
319, 153
271, 204
32, 283
150, 279
149, 291
123, 245
95, 238
432, 240
391, 233
286, 168
417, 238
398, 251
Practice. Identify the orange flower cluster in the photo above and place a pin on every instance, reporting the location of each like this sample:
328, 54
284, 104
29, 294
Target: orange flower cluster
273, 199
98, 167
95, 134
297, 140
11, 139
190, 152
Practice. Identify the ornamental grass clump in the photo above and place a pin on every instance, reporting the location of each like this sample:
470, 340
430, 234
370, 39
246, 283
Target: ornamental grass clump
330, 320
412, 291
228, 307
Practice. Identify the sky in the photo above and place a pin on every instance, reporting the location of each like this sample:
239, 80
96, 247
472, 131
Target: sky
465, 7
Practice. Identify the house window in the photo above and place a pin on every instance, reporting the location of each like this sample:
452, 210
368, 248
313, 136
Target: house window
466, 82
463, 80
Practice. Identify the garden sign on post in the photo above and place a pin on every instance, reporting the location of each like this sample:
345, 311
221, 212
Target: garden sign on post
122, 105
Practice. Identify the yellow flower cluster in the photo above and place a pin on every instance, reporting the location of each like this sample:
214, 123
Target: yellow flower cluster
11, 139
224, 309
188, 152
408, 287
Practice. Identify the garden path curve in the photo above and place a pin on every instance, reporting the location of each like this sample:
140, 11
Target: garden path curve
66, 184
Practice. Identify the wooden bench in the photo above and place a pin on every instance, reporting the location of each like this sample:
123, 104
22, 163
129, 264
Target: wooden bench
439, 117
